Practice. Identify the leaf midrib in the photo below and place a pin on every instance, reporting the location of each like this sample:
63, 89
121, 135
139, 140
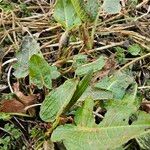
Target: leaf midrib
98, 128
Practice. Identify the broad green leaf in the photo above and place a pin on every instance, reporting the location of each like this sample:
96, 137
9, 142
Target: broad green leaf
80, 10
86, 10
55, 103
96, 94
112, 6
41, 73
82, 86
117, 84
79, 60
103, 136
54, 72
92, 8
28, 48
121, 110
134, 49
93, 66
87, 110
65, 14
144, 140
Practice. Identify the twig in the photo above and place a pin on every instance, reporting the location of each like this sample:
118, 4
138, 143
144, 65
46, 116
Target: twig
144, 87
9, 61
142, 3
31, 106
146, 102
133, 61
8, 79
106, 47
5, 131
19, 123
143, 14
90, 51
97, 114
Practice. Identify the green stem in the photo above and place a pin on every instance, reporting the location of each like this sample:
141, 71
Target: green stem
55, 124
94, 27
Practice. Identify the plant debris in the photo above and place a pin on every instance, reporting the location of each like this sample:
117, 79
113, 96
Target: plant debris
72, 71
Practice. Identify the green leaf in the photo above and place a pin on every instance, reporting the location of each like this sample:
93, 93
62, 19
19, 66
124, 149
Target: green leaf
65, 14
120, 55
82, 86
144, 140
87, 110
96, 94
79, 60
10, 128
41, 74
54, 72
132, 3
55, 103
80, 10
134, 49
117, 84
87, 11
121, 110
112, 6
92, 8
108, 134
93, 66
28, 48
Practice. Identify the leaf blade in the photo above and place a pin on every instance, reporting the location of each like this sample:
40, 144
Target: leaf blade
117, 84
65, 14
40, 72
55, 103
112, 6
28, 48
82, 86
93, 66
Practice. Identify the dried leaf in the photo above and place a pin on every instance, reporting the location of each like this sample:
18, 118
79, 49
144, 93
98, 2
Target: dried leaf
48, 145
12, 106
18, 105
146, 106
25, 100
